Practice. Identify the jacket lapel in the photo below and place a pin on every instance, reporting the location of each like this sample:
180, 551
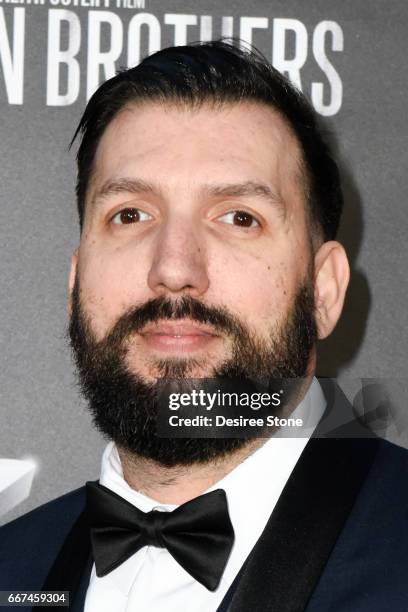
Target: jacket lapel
72, 568
289, 558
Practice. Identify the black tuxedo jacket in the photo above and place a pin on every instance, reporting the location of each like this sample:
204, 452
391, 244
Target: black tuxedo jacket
337, 540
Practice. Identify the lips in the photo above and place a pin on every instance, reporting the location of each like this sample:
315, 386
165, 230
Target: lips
178, 336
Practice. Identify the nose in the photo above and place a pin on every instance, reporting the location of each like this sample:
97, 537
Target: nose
179, 265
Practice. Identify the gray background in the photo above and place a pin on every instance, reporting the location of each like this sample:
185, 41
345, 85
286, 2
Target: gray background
41, 413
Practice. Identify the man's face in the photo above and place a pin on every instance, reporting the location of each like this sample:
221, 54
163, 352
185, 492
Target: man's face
194, 262
206, 203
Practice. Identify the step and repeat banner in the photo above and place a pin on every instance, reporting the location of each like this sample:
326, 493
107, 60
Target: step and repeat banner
349, 58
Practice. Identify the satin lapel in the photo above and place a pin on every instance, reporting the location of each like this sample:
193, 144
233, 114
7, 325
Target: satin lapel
287, 561
224, 605
78, 597
72, 568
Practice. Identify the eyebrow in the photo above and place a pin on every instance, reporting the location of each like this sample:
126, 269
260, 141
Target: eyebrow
124, 185
246, 189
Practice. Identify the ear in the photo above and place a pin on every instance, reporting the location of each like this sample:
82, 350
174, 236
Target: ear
332, 275
72, 277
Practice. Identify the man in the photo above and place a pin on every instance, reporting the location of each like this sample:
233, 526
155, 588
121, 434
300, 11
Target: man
209, 204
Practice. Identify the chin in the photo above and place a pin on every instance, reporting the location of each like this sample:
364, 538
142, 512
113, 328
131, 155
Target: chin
154, 367
171, 369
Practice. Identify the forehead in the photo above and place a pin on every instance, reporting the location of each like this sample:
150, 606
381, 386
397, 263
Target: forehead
183, 147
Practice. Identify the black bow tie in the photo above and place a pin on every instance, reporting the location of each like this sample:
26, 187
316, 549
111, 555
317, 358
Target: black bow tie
198, 534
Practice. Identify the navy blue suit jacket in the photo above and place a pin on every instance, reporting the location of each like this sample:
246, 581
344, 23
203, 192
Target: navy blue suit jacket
337, 541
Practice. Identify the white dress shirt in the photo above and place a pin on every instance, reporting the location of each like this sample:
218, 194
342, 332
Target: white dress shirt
151, 580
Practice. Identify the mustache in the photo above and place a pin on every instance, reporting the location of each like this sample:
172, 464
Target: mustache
157, 309
163, 308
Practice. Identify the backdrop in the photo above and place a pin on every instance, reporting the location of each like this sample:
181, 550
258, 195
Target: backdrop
350, 60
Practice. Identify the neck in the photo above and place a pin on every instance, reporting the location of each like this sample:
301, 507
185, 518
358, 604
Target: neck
179, 484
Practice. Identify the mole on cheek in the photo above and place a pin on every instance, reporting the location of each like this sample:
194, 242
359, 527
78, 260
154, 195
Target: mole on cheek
280, 284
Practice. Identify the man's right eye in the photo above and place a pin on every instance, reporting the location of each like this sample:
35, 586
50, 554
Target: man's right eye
130, 215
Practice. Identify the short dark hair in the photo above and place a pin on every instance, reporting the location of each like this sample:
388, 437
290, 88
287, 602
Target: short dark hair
217, 72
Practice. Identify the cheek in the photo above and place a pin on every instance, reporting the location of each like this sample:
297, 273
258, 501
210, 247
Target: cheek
258, 288
111, 281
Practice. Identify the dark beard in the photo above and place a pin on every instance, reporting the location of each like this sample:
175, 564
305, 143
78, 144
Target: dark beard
124, 406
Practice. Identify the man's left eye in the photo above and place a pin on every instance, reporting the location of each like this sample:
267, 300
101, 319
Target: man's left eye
240, 218
130, 215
